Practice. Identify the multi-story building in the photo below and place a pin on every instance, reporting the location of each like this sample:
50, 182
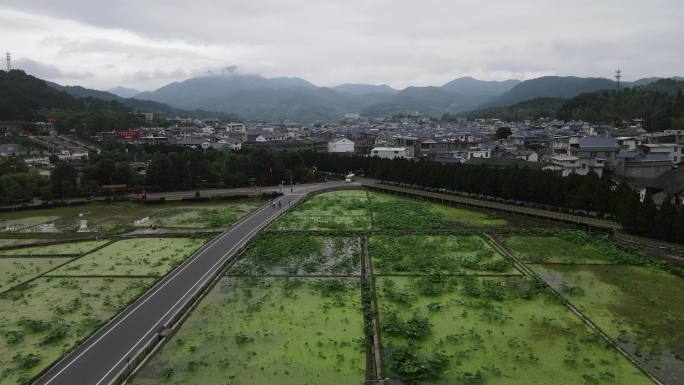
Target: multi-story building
341, 145
390, 152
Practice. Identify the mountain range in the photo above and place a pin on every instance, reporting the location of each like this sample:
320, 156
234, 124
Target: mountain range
258, 97
254, 97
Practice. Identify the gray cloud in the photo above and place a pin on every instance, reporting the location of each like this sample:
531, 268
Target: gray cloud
48, 71
144, 44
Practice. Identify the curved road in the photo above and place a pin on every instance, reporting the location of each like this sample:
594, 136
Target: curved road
103, 356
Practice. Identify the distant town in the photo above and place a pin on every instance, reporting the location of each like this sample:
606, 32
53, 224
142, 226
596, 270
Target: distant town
646, 160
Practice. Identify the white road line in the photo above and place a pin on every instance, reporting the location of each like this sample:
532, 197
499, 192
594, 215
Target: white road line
156, 290
239, 243
306, 190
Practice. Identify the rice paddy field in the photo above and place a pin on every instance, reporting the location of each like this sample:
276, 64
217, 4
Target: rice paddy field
445, 304
352, 286
54, 296
267, 331
120, 217
134, 257
67, 248
44, 319
490, 331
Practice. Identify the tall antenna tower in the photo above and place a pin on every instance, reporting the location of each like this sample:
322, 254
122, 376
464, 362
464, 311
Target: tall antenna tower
618, 76
9, 62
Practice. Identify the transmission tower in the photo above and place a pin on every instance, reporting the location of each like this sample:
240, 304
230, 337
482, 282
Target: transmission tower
618, 76
9, 62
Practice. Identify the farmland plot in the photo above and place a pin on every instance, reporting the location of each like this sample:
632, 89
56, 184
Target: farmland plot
454, 254
152, 257
44, 319
254, 331
467, 330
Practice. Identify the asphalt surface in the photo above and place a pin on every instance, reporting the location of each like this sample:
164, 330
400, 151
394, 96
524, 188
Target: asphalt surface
100, 358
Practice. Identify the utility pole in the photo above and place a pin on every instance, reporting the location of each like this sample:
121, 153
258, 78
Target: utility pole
9, 62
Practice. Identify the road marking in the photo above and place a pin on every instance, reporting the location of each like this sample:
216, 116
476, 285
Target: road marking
242, 240
156, 290
303, 191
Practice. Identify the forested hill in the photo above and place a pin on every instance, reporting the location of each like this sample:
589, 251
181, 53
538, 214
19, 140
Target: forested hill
528, 110
660, 110
27, 98
660, 104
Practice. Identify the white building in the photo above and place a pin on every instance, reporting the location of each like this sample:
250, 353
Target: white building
570, 164
341, 145
674, 151
478, 153
390, 152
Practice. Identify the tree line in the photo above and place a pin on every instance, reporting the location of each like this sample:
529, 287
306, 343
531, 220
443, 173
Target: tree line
589, 192
171, 168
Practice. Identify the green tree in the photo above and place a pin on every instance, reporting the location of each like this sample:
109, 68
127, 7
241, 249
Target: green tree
63, 180
503, 132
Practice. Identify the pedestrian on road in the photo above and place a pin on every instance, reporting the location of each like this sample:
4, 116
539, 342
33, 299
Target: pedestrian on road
278, 204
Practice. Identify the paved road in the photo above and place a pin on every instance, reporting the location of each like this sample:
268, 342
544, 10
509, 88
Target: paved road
103, 355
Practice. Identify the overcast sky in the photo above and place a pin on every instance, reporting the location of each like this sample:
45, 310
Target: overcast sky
145, 44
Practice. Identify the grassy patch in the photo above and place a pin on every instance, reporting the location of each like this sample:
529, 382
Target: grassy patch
42, 320
491, 331
445, 253
58, 249
14, 271
153, 257
267, 331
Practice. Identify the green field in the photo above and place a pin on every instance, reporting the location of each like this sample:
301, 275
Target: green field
569, 246
152, 257
44, 319
394, 213
490, 331
274, 254
454, 254
255, 331
14, 271
57, 249
641, 308
345, 210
